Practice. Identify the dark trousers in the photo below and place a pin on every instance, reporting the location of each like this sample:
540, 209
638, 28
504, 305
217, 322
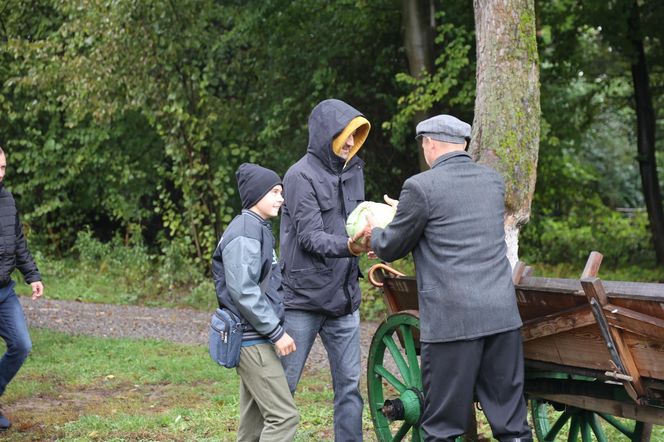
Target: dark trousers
492, 367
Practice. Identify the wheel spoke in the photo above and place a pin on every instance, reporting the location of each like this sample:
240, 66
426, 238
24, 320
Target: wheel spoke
615, 423
403, 430
597, 428
573, 429
417, 435
557, 426
587, 424
390, 378
585, 428
411, 354
398, 358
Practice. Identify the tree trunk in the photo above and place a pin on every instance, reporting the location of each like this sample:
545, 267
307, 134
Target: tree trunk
419, 28
507, 109
645, 121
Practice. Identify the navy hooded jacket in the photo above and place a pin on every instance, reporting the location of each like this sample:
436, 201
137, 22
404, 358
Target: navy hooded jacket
320, 190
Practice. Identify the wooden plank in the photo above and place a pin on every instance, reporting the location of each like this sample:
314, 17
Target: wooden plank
557, 323
581, 347
533, 304
592, 265
518, 271
646, 307
595, 291
553, 285
584, 348
614, 408
648, 355
648, 291
635, 322
400, 294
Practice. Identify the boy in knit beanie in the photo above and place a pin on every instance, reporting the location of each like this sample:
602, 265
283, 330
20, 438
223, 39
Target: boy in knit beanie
247, 281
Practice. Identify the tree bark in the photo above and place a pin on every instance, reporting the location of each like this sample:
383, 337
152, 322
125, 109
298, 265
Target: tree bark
507, 109
419, 28
645, 122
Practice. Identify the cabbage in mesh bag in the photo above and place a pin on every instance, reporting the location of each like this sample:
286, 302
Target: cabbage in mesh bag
357, 220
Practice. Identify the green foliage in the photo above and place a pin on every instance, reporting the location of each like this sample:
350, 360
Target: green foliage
129, 263
621, 239
636, 273
119, 272
176, 268
132, 117
135, 113
445, 87
588, 160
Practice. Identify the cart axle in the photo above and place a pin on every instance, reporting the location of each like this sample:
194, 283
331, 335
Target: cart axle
393, 410
407, 407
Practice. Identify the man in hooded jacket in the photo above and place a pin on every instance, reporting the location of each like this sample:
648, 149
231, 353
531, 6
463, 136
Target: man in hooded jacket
319, 261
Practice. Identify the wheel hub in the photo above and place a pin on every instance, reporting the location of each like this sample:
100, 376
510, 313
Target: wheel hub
407, 407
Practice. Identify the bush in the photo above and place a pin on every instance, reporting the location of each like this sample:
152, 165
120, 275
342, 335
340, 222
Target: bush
130, 263
203, 296
623, 240
176, 268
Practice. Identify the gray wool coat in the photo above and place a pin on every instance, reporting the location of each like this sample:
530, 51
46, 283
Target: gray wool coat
451, 218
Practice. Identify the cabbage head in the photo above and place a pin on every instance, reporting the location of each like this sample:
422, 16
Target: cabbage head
357, 220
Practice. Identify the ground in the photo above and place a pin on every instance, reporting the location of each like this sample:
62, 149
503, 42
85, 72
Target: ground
183, 326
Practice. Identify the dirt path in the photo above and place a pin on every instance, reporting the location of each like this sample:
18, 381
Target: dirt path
124, 321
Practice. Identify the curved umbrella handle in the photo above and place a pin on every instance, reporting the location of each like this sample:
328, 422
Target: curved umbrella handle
372, 270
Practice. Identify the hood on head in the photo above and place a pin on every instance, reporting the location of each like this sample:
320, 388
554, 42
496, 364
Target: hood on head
332, 119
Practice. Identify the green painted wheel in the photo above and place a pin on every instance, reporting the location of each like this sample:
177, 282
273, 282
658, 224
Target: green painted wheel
395, 383
556, 422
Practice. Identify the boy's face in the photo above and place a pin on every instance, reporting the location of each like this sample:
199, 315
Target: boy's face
268, 206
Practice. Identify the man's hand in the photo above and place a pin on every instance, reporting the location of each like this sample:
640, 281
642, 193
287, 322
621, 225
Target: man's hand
37, 289
285, 345
358, 248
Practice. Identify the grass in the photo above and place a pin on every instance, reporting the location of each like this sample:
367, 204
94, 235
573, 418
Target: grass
67, 279
80, 388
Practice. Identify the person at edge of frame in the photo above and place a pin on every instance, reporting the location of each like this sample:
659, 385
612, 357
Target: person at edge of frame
15, 254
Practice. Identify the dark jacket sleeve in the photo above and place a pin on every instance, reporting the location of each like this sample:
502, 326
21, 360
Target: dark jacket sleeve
308, 221
24, 261
403, 234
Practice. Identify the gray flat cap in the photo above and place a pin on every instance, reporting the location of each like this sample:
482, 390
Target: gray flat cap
444, 128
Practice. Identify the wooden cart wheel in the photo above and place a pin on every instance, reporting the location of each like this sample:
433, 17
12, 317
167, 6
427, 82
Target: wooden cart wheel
566, 423
395, 384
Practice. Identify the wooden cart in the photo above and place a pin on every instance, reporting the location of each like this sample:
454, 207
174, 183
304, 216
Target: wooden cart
594, 355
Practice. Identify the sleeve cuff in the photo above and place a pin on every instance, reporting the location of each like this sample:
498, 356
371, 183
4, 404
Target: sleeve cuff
276, 334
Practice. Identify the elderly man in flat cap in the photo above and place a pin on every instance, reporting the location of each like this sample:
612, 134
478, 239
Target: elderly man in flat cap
451, 218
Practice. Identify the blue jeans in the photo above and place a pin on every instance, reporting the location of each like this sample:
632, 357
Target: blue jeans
341, 338
14, 330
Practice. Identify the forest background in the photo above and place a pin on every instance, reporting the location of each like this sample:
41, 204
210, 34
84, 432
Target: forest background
124, 123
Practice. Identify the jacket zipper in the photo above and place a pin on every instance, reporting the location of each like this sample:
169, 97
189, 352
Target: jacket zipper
349, 301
